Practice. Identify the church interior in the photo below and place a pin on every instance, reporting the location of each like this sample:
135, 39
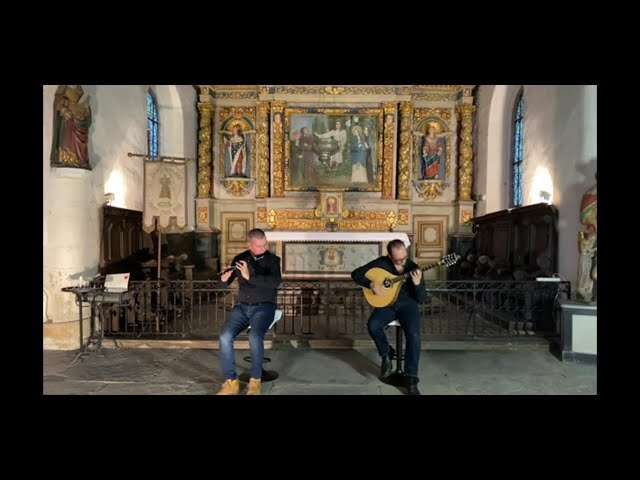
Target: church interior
490, 187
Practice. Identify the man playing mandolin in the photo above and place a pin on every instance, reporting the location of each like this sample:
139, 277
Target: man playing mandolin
404, 309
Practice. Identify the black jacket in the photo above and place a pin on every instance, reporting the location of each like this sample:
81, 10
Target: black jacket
264, 278
417, 293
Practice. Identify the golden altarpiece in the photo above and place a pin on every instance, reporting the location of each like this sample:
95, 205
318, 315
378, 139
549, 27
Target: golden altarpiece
332, 173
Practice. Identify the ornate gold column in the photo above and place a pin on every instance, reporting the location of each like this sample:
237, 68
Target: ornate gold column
389, 147
278, 150
204, 150
406, 112
465, 176
461, 239
263, 150
204, 234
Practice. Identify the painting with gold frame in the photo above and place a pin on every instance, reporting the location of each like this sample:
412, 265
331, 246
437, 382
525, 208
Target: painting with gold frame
331, 204
333, 148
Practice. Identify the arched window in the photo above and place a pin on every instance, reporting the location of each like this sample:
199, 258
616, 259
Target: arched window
516, 152
152, 126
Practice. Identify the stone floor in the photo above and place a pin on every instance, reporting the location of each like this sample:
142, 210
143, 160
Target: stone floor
144, 371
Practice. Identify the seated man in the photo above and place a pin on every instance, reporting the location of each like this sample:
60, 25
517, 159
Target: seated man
258, 280
404, 309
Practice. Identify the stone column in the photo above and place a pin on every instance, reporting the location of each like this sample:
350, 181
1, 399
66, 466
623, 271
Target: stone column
71, 251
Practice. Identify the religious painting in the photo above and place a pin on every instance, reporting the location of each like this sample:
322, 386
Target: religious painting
165, 195
331, 204
237, 134
309, 260
431, 154
333, 148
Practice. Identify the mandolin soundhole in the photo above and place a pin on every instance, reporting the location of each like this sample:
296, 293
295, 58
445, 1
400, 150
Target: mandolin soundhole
387, 283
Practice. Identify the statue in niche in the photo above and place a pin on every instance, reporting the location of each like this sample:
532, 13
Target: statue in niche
588, 246
432, 151
237, 154
71, 122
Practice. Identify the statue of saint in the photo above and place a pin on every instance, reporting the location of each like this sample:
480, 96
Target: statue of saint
71, 121
588, 245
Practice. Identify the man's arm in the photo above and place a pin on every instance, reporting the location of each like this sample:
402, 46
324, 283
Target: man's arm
234, 274
324, 135
268, 279
358, 275
419, 290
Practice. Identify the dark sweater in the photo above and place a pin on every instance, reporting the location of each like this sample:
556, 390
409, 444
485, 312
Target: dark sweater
408, 291
264, 278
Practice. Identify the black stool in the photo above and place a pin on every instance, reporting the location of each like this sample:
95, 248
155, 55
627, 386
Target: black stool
267, 375
397, 378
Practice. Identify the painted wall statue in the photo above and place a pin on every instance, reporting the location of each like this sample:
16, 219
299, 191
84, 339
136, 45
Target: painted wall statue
588, 246
235, 144
432, 150
71, 122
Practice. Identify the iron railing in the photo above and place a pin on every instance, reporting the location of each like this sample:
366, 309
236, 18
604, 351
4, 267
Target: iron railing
337, 309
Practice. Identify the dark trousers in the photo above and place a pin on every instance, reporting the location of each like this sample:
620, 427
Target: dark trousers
409, 317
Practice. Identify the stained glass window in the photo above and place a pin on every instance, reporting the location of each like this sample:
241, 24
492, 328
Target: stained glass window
516, 153
152, 126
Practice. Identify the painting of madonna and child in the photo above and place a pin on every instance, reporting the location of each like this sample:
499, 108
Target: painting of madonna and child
329, 150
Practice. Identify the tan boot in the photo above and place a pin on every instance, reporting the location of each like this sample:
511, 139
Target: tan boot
230, 387
255, 385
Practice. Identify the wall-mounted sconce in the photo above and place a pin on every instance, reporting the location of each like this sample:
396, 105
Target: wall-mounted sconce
108, 198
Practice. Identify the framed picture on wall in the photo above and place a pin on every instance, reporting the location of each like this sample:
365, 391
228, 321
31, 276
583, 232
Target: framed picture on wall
331, 204
333, 148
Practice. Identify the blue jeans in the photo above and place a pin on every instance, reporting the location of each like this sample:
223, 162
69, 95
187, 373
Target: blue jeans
409, 317
259, 317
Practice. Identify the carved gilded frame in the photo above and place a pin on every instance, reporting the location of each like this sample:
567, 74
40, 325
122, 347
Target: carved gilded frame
246, 116
381, 170
431, 189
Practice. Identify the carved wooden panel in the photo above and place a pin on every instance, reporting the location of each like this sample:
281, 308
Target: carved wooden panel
523, 238
430, 242
235, 227
122, 234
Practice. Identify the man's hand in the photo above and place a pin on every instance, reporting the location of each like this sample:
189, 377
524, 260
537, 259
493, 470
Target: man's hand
244, 269
376, 289
225, 277
416, 276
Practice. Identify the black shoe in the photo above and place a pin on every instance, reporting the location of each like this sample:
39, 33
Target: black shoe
412, 386
386, 368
